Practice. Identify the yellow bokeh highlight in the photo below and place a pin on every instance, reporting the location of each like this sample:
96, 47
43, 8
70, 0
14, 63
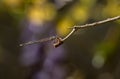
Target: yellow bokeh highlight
39, 2
112, 8
35, 15
40, 14
12, 3
63, 26
79, 14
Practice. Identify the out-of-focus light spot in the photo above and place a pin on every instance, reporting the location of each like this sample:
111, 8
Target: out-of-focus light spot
39, 15
98, 61
12, 3
79, 14
36, 15
63, 27
112, 9
39, 2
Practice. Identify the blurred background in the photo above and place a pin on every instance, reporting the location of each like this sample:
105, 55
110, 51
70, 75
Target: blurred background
91, 53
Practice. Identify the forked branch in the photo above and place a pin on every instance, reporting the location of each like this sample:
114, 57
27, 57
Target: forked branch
59, 40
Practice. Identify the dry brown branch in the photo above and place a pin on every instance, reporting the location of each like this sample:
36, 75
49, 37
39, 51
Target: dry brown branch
59, 40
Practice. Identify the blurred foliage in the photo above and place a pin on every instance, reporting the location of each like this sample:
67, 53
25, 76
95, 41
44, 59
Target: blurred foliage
100, 43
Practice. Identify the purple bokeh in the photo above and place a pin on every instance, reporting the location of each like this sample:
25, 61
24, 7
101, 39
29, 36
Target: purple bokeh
52, 66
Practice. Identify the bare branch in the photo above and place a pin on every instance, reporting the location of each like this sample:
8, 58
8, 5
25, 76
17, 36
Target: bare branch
99, 22
59, 40
38, 41
75, 28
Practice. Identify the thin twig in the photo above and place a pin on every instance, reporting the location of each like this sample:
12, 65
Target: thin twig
60, 40
75, 28
38, 41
